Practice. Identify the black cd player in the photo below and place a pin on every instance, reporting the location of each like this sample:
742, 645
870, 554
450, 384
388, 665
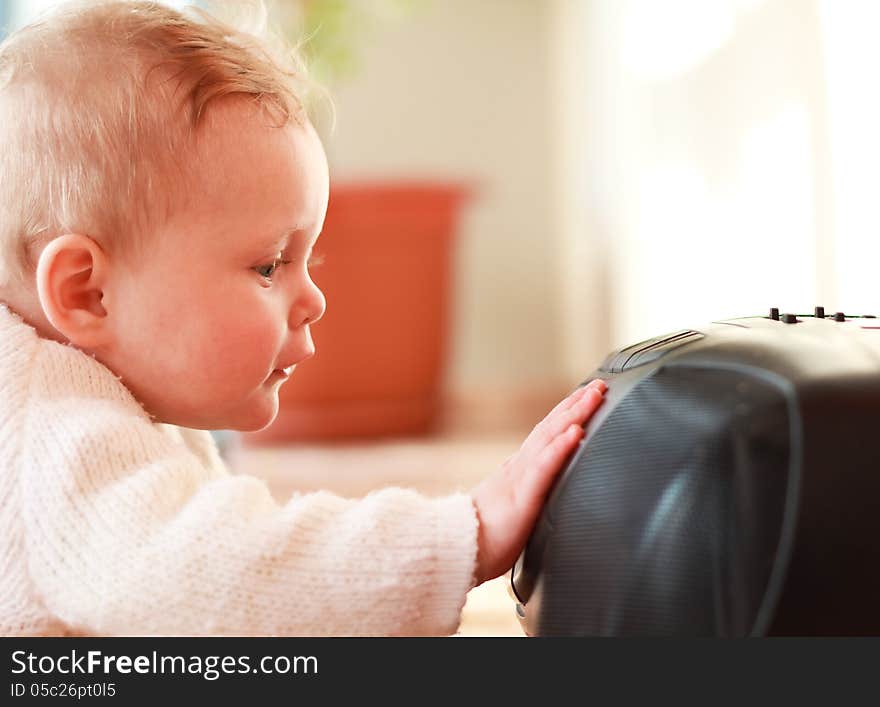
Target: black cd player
729, 485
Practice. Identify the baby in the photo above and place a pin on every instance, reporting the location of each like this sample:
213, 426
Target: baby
162, 190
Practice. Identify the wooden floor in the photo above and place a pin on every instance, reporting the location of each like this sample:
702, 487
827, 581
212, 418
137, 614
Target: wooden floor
433, 465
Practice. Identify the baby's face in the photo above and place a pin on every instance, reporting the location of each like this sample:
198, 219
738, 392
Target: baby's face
214, 319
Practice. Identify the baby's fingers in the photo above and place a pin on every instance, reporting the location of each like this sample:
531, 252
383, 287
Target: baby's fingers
567, 402
550, 459
549, 427
577, 414
578, 395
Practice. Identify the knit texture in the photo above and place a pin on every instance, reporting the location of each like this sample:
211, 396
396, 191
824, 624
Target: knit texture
113, 524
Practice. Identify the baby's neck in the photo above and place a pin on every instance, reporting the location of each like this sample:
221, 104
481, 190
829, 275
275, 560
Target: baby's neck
29, 309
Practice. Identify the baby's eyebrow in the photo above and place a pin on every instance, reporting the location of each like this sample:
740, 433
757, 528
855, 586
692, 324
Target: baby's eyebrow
279, 240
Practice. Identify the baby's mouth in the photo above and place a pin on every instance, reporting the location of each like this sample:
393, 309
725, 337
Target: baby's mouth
284, 372
287, 371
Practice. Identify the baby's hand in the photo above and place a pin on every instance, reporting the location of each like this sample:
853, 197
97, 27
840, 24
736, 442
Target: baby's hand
508, 501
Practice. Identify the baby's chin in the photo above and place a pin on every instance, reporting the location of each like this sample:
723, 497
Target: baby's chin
252, 415
255, 416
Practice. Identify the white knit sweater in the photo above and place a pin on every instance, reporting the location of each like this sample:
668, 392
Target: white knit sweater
112, 524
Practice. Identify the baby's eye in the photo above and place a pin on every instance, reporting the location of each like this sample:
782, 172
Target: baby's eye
269, 269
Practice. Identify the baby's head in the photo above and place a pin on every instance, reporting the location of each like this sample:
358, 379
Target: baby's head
161, 193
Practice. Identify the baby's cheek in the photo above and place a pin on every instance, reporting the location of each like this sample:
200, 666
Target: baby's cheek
246, 349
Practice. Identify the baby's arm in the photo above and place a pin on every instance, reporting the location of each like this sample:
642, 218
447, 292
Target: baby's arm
132, 532
508, 501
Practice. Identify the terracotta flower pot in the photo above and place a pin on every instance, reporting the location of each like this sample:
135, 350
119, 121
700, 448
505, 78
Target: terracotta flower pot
382, 344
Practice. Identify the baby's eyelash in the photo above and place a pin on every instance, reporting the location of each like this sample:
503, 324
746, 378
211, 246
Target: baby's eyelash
315, 260
271, 267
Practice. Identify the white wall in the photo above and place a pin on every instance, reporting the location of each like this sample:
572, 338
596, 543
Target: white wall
707, 156
727, 155
852, 55
579, 80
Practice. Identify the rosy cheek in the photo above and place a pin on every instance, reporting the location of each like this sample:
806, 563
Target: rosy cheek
253, 341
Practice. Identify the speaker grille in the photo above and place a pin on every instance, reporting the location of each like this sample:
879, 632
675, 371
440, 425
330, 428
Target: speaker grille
669, 520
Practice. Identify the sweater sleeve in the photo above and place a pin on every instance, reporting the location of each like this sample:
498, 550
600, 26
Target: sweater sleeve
132, 530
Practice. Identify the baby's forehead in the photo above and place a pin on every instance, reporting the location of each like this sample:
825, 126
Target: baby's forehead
237, 147
251, 182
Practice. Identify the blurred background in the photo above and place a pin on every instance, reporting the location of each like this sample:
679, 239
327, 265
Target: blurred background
520, 186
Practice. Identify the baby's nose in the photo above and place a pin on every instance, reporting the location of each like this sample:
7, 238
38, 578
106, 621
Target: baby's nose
309, 308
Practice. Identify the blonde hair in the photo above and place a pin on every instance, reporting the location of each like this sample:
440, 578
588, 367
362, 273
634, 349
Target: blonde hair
98, 104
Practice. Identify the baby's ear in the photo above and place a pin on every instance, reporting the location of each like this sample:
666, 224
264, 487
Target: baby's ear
71, 274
